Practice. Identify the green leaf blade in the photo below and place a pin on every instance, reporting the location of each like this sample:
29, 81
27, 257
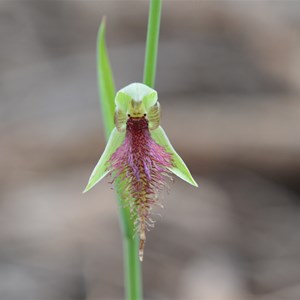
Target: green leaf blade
107, 93
179, 169
101, 169
105, 81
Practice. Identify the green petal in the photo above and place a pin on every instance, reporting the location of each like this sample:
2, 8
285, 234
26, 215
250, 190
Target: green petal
179, 168
114, 142
154, 116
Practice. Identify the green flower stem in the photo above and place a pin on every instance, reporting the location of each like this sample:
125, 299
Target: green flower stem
152, 42
132, 266
133, 276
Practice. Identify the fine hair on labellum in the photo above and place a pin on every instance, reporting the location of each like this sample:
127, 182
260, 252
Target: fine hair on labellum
142, 167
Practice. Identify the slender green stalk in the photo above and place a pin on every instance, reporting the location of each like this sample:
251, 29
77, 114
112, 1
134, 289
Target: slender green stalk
152, 42
132, 266
133, 278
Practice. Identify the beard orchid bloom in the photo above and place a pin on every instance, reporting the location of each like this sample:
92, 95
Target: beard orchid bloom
140, 155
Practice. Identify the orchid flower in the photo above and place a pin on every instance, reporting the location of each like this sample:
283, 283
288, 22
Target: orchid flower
140, 154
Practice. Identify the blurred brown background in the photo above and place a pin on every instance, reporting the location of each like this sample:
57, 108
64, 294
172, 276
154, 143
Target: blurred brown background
229, 83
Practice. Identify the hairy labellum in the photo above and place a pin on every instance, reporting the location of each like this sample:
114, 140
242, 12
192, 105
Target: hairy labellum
143, 165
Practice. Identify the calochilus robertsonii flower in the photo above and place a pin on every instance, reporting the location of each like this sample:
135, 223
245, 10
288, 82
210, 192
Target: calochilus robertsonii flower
140, 154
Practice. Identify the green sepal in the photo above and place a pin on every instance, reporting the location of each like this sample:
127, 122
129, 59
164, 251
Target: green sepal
149, 100
179, 168
122, 101
100, 171
138, 91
